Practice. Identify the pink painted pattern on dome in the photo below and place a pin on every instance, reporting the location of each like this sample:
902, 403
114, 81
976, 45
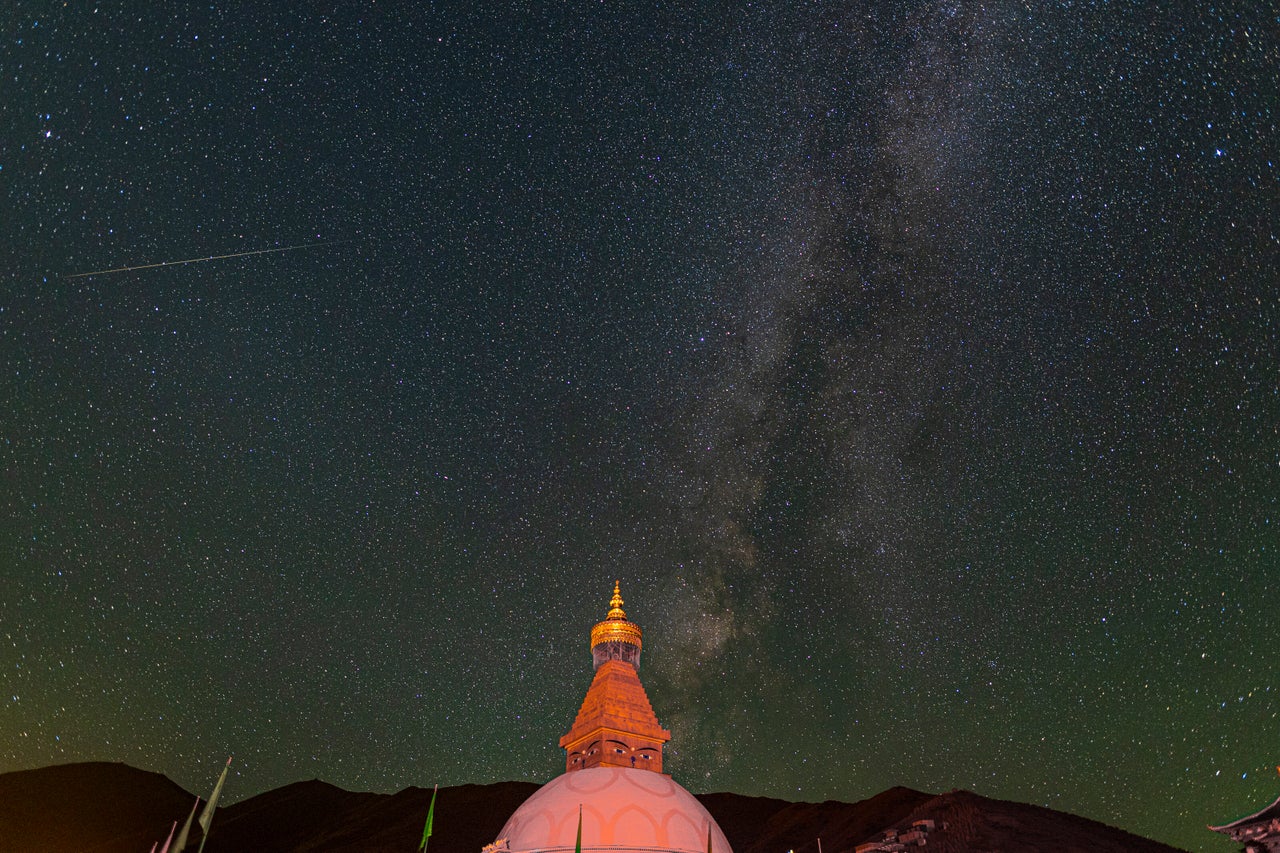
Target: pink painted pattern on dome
623, 811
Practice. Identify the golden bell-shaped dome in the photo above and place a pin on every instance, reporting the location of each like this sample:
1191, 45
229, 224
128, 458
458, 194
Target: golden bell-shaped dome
616, 628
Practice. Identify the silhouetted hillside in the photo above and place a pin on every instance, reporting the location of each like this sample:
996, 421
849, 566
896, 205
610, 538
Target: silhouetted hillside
314, 816
977, 823
760, 825
113, 808
95, 807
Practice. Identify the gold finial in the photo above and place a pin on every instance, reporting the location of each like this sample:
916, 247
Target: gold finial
616, 627
615, 603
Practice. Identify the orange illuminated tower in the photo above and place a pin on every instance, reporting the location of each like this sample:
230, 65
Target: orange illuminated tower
615, 726
613, 796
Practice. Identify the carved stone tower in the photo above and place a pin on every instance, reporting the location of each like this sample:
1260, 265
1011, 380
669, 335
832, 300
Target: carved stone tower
615, 726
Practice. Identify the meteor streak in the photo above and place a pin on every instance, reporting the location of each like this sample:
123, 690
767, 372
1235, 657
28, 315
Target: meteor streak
209, 258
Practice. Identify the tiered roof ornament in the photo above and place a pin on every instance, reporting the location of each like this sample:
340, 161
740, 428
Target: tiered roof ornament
1260, 831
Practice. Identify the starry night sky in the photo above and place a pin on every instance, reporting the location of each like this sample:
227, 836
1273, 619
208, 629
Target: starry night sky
914, 365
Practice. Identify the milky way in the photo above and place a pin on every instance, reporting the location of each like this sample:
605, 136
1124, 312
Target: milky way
913, 368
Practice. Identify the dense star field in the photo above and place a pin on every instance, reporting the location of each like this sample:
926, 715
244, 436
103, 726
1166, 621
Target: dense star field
914, 366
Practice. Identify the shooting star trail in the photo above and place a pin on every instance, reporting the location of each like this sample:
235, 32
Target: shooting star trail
209, 258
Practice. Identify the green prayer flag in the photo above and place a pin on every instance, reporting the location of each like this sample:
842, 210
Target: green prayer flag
431, 814
577, 848
206, 817
181, 843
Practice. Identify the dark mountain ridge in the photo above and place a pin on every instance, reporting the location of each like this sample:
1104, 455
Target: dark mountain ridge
113, 808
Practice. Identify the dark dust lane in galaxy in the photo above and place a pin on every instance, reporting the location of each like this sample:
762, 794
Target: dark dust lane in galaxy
913, 367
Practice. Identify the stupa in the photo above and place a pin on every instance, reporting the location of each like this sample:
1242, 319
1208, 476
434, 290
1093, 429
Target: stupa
613, 790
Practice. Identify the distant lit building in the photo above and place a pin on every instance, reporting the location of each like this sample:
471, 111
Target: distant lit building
894, 840
613, 786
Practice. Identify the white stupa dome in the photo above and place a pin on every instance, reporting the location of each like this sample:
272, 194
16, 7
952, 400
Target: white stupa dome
624, 810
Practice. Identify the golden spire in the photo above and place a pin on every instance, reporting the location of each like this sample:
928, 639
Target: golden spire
616, 628
615, 603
